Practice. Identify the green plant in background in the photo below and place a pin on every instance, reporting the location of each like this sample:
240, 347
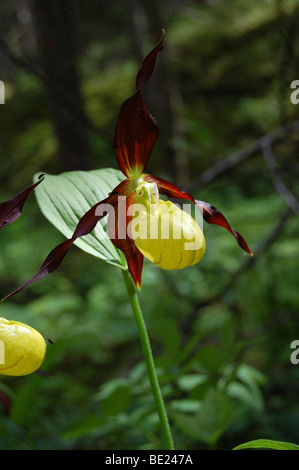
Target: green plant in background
64, 199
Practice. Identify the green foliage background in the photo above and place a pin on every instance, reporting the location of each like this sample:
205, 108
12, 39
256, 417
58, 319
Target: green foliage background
221, 331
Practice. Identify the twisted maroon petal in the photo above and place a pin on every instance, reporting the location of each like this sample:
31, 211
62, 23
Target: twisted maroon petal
213, 216
167, 188
210, 214
11, 209
52, 262
85, 226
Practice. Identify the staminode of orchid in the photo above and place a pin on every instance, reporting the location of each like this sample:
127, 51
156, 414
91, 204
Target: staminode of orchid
135, 135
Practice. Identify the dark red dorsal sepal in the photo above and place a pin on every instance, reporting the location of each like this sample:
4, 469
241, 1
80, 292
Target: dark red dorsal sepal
136, 130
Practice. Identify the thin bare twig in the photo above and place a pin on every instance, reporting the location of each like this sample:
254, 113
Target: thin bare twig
264, 244
234, 159
279, 185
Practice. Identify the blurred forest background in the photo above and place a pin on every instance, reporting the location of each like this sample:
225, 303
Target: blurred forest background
221, 331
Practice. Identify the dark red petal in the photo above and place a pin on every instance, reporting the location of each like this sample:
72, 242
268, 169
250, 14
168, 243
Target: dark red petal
167, 188
11, 209
213, 216
210, 214
136, 130
89, 220
85, 226
118, 230
53, 260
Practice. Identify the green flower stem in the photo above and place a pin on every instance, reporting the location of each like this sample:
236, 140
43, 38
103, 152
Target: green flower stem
147, 351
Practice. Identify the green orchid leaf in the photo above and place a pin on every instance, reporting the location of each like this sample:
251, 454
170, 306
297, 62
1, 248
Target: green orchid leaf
65, 198
267, 444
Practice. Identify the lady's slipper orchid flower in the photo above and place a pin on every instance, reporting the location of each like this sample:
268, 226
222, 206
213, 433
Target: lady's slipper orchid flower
22, 348
135, 135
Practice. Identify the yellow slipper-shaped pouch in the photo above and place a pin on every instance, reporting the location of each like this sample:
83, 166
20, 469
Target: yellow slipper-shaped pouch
22, 348
166, 235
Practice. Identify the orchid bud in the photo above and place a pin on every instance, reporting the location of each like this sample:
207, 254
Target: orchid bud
22, 348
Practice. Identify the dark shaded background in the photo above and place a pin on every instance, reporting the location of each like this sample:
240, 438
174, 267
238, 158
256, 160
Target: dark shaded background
221, 331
